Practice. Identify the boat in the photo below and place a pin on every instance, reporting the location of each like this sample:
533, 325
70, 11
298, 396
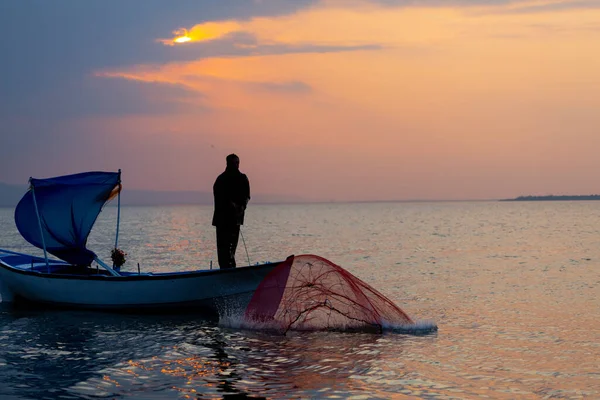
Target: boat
57, 216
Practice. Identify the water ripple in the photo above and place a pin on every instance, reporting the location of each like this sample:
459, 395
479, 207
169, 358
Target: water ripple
513, 287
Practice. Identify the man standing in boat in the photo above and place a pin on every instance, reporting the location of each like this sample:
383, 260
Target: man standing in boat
232, 193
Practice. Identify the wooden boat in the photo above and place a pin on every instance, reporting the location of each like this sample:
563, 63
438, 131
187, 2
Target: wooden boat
57, 215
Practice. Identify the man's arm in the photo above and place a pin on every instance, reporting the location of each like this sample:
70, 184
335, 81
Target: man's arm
217, 191
246, 190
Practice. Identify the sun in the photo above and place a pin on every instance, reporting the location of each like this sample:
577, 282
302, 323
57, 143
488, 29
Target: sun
182, 39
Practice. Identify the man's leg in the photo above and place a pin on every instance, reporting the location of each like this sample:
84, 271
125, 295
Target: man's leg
234, 237
223, 246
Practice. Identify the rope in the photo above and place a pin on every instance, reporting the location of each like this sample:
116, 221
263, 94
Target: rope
244, 241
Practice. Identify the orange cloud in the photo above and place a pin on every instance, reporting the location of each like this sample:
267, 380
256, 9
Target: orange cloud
202, 32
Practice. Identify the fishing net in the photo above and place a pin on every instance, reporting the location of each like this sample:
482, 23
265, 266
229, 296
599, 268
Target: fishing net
311, 293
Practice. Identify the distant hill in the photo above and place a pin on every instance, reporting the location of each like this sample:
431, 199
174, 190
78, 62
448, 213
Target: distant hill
11, 194
555, 198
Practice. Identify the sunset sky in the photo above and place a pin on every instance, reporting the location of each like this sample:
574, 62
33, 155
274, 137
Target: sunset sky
323, 100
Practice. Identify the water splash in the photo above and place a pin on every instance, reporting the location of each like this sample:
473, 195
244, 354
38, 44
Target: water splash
423, 327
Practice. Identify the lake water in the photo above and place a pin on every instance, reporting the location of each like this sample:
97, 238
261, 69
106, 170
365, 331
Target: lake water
514, 288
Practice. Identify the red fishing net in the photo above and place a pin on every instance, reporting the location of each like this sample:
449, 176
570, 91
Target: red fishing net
309, 292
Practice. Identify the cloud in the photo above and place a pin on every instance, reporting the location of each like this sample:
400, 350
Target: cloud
192, 83
105, 97
203, 32
246, 44
284, 87
555, 6
47, 47
514, 4
482, 6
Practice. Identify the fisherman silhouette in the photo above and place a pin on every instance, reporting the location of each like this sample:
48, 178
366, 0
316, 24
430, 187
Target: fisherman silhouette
231, 195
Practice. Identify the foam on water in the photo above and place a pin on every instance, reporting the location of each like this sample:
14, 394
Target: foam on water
238, 321
234, 319
417, 328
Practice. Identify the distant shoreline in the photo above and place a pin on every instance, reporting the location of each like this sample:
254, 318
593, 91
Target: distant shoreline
555, 198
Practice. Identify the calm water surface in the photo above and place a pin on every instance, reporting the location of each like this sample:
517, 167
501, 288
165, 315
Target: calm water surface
513, 287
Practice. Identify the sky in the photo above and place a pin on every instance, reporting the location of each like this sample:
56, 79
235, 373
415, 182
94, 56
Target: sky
324, 100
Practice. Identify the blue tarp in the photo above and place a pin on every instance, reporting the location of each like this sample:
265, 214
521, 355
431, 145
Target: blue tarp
68, 207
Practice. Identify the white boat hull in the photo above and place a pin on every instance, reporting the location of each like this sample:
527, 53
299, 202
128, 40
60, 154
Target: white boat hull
205, 291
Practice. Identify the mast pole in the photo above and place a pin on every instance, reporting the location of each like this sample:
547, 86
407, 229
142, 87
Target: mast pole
118, 211
37, 212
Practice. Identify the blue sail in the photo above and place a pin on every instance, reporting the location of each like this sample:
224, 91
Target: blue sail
68, 207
